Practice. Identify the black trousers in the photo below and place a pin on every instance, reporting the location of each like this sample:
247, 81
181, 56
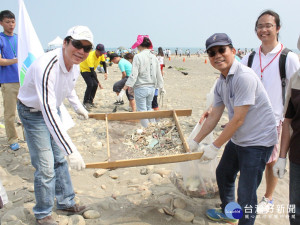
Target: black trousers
91, 87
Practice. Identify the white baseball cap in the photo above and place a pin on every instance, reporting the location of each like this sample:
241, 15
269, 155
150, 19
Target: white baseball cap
81, 33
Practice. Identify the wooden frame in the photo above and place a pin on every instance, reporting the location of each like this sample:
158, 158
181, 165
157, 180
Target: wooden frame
150, 160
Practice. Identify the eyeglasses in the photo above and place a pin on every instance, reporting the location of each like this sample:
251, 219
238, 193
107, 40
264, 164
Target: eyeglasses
78, 45
262, 26
221, 50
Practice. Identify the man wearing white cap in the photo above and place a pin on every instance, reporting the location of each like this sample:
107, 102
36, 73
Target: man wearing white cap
49, 80
290, 142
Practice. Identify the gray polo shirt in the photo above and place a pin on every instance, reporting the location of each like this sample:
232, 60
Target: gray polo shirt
243, 87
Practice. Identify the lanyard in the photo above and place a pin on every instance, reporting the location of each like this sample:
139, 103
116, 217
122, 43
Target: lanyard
13, 48
263, 69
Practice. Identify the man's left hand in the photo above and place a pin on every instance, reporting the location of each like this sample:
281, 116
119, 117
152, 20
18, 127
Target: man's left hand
210, 152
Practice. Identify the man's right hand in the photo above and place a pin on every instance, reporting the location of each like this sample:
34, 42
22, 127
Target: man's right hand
279, 168
76, 161
193, 145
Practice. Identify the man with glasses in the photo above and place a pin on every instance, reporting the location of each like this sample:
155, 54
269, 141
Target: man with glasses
49, 80
88, 71
251, 137
265, 62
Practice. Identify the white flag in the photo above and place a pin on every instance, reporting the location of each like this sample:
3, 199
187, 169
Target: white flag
29, 45
30, 48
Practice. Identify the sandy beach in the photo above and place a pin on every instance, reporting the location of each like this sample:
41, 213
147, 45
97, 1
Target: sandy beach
136, 195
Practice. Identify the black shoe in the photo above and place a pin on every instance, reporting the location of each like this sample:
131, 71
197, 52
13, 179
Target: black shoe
119, 102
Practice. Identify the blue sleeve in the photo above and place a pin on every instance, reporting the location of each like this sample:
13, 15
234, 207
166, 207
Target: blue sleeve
1, 45
121, 66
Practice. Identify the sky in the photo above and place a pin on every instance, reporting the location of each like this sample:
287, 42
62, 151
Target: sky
169, 23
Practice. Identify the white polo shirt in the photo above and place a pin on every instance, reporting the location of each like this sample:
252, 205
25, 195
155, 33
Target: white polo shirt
271, 76
47, 83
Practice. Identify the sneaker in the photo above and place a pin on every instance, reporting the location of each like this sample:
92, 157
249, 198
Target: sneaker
93, 105
218, 216
48, 220
87, 106
14, 146
264, 206
119, 102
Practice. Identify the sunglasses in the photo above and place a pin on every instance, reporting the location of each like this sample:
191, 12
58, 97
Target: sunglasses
221, 50
78, 45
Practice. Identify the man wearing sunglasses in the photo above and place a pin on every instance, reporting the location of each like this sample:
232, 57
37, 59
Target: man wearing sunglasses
250, 133
49, 80
88, 71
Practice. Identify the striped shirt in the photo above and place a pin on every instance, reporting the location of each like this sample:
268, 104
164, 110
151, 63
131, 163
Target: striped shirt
46, 85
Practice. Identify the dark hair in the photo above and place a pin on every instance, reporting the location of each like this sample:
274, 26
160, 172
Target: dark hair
271, 13
6, 14
160, 51
146, 43
230, 46
128, 56
67, 39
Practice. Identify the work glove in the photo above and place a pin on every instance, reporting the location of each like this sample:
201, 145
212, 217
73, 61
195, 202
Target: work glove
83, 114
162, 91
193, 145
120, 96
279, 168
76, 161
210, 152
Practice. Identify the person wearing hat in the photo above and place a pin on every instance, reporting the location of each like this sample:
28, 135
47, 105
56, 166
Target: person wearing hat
88, 71
250, 132
125, 67
145, 77
290, 142
49, 80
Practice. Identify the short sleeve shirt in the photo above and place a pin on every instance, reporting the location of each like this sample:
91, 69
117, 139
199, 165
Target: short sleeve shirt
92, 61
126, 66
271, 76
8, 50
243, 87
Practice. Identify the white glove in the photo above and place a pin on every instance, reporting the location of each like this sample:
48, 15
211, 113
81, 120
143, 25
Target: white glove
120, 96
279, 168
210, 152
193, 145
76, 161
162, 91
82, 113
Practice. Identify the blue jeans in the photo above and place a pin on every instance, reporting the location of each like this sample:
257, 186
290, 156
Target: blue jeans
143, 100
250, 162
51, 178
294, 193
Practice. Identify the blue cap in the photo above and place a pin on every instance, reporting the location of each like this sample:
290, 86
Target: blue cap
218, 39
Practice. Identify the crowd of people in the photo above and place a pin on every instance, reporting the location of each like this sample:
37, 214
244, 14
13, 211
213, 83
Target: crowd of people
260, 93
